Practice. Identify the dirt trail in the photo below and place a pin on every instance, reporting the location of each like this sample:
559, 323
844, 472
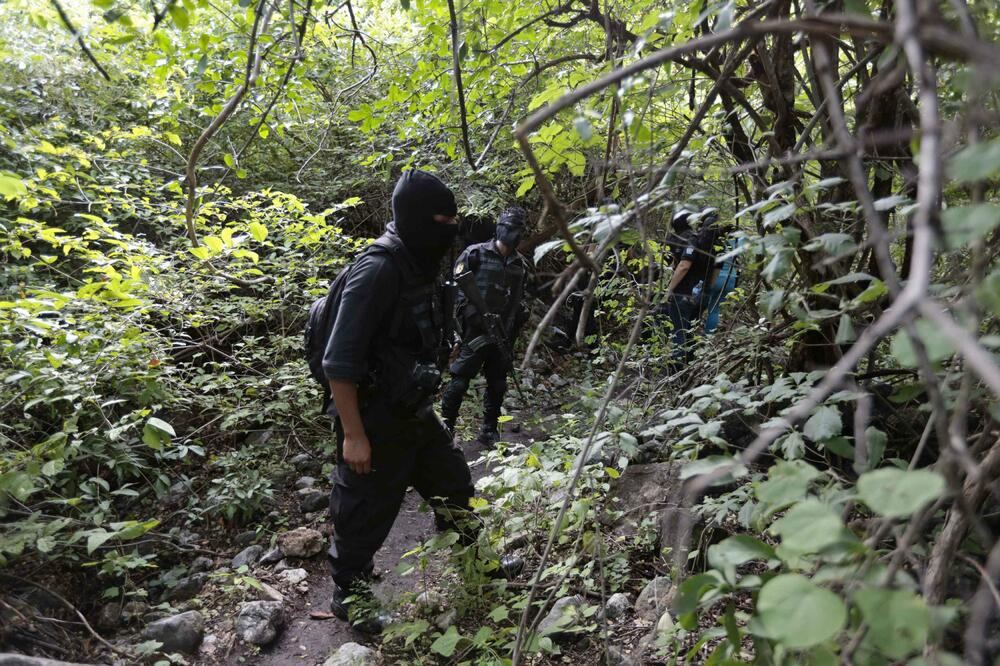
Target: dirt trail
308, 641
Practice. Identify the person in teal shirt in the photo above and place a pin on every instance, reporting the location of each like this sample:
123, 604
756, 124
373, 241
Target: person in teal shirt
723, 280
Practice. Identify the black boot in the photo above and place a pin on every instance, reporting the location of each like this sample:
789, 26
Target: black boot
489, 435
360, 608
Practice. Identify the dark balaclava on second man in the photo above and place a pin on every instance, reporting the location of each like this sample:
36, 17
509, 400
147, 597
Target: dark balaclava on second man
510, 226
418, 197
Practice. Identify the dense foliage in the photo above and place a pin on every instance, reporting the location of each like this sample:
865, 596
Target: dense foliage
180, 179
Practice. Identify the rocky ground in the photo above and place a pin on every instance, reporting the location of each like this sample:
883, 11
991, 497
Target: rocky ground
262, 598
308, 640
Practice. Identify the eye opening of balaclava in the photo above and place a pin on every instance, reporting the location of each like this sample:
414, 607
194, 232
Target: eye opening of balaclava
417, 198
510, 226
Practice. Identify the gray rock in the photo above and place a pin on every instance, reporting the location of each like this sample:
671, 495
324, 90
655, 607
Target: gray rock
617, 657
272, 556
268, 593
187, 538
283, 477
178, 633
249, 556
259, 622
134, 610
430, 601
283, 565
305, 482
560, 621
293, 576
659, 636
305, 462
209, 646
311, 499
301, 542
259, 437
187, 588
655, 598
178, 494
201, 564
617, 605
653, 489
245, 538
109, 618
446, 619
351, 654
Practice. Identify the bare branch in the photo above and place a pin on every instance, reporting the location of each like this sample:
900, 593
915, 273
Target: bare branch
79, 39
262, 20
456, 64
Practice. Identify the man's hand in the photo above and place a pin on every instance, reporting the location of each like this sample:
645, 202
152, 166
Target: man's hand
358, 453
357, 448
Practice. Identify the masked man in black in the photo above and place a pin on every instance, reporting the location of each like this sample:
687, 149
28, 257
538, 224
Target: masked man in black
379, 361
487, 337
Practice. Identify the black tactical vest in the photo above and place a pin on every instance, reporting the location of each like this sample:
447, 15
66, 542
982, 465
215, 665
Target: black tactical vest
500, 279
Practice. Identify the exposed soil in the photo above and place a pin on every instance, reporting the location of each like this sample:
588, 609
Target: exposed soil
310, 641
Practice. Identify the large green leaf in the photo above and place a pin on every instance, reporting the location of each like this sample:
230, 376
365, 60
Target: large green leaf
691, 591
736, 550
156, 433
447, 642
786, 482
988, 292
808, 527
11, 187
779, 214
899, 621
798, 613
823, 424
935, 341
897, 493
977, 162
966, 224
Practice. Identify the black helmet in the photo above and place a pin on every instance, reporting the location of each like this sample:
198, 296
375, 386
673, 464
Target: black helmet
510, 226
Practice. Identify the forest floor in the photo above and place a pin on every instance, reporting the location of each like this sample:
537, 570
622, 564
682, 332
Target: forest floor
310, 641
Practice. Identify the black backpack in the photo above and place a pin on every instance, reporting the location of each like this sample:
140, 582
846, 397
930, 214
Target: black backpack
323, 311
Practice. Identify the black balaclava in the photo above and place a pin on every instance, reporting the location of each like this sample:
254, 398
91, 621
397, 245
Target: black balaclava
418, 197
510, 226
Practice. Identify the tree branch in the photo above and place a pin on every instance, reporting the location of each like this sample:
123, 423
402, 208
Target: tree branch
262, 20
456, 64
79, 39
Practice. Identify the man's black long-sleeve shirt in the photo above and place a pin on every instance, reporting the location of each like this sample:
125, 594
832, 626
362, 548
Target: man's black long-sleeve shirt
365, 310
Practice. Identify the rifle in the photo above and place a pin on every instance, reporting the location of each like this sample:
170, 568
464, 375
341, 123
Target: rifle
448, 333
494, 327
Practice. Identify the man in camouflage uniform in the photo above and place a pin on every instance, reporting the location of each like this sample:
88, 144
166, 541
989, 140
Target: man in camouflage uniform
500, 276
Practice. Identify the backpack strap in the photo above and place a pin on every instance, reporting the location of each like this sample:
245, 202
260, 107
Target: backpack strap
413, 299
473, 259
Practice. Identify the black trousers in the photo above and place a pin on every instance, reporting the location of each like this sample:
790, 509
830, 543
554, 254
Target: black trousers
408, 450
495, 367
